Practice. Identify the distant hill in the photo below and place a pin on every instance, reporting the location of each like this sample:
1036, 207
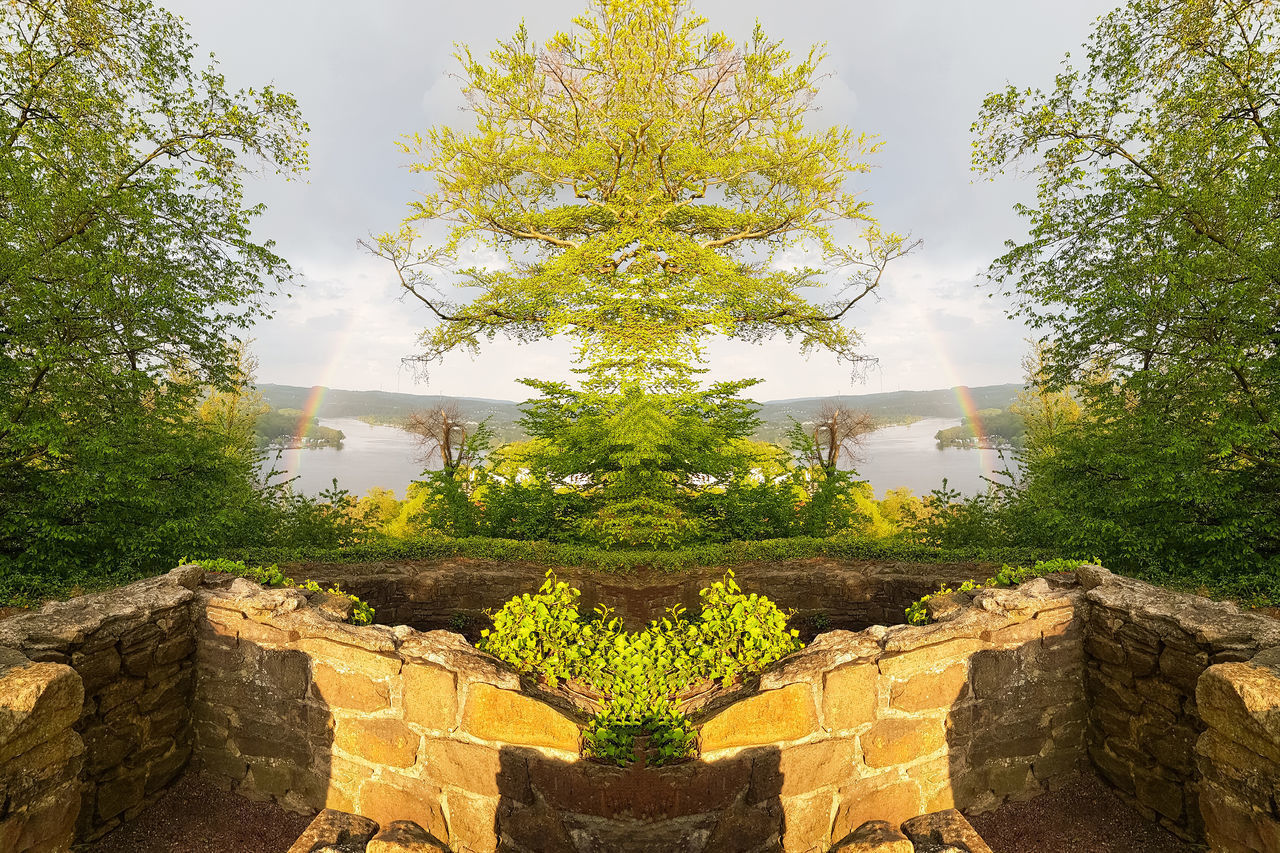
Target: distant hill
892, 406
392, 408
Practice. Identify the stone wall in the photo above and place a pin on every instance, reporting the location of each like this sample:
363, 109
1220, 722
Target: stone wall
385, 722
887, 724
1147, 650
41, 754
1238, 753
106, 681
396, 724
825, 593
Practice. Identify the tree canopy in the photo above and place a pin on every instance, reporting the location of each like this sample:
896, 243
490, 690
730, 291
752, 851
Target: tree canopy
639, 179
1153, 270
127, 264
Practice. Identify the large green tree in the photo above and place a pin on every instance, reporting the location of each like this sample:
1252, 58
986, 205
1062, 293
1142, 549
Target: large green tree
127, 264
1153, 268
639, 178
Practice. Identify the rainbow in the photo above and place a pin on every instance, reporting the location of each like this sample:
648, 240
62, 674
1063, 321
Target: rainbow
309, 409
968, 406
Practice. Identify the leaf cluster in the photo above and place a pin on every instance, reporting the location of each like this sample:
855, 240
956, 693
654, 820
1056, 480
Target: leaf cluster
640, 674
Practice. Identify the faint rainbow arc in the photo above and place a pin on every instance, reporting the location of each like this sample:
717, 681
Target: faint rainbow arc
968, 406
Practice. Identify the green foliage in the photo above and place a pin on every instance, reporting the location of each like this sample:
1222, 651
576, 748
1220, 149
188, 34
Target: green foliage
127, 267
434, 547
1151, 273
637, 174
918, 614
642, 673
286, 428
272, 576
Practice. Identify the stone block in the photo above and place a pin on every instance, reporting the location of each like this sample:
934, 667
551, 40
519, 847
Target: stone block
902, 741
351, 691
887, 797
37, 700
874, 836
475, 768
333, 828
430, 697
849, 697
375, 665
771, 716
1242, 702
391, 797
932, 656
472, 821
809, 766
928, 690
506, 716
945, 828
378, 740
405, 836
808, 822
1159, 793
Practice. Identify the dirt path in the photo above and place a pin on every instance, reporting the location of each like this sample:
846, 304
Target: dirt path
195, 817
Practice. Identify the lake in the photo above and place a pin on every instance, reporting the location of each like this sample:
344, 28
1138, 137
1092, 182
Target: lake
385, 456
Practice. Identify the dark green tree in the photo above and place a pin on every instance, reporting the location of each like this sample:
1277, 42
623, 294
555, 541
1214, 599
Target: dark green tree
1153, 270
127, 265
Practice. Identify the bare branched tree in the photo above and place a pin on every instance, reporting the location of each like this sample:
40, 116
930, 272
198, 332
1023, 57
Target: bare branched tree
442, 434
838, 431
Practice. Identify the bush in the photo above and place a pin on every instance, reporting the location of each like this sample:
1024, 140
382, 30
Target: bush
640, 673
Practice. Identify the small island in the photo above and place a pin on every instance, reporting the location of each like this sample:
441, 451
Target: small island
287, 429
988, 429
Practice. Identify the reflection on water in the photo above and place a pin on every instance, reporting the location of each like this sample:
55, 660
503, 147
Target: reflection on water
388, 457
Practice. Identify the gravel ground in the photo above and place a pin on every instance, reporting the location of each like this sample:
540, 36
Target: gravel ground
195, 817
1083, 816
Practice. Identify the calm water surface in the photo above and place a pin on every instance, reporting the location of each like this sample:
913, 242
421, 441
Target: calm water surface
387, 457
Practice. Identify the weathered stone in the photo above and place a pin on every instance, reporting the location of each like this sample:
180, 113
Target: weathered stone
509, 717
430, 697
374, 664
405, 836
390, 798
901, 741
479, 769
378, 740
886, 797
849, 697
808, 821
808, 767
335, 829
37, 700
928, 690
349, 690
947, 827
1242, 701
768, 717
874, 836
472, 820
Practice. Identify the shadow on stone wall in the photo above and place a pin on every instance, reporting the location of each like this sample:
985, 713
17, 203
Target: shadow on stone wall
554, 806
264, 727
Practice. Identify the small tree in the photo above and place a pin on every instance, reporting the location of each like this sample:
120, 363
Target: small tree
837, 432
443, 434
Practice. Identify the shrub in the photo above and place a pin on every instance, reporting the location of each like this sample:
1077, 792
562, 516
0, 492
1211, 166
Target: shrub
640, 673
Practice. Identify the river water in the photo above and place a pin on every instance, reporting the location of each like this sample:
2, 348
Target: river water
893, 457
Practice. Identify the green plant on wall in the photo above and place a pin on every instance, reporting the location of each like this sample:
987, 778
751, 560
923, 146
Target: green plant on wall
641, 674
271, 576
918, 612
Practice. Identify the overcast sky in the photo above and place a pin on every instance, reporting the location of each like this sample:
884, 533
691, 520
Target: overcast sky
912, 71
